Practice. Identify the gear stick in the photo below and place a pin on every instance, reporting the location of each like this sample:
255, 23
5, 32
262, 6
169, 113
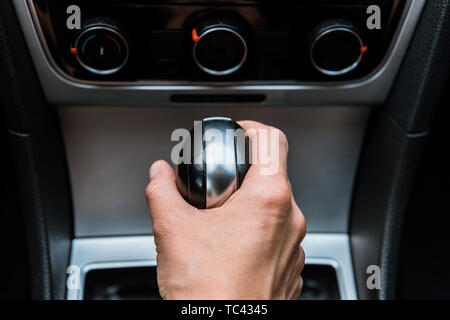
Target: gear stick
218, 161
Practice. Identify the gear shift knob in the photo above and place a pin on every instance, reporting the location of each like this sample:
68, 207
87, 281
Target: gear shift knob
217, 163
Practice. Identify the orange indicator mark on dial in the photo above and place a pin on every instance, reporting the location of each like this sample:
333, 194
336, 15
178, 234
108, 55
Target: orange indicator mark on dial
195, 36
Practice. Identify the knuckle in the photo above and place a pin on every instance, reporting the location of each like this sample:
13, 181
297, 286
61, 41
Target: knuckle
299, 225
277, 196
148, 192
302, 258
300, 285
282, 138
303, 227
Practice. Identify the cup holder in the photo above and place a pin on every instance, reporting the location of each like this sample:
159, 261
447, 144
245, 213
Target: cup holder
139, 283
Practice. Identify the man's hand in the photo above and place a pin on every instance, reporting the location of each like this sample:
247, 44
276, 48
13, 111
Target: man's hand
249, 248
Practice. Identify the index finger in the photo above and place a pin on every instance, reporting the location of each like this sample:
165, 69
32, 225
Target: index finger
269, 147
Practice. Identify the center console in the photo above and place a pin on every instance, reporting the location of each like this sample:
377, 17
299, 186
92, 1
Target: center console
135, 70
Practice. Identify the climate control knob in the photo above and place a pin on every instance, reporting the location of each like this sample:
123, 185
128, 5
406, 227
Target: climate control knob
220, 46
101, 49
337, 48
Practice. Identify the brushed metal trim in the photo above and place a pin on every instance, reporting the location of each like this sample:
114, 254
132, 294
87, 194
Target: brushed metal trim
109, 151
63, 90
140, 251
218, 171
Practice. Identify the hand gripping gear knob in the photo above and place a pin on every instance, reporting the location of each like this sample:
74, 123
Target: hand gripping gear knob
216, 162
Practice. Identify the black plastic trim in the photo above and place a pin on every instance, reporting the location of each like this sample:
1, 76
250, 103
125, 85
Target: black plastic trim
381, 194
425, 71
393, 149
39, 155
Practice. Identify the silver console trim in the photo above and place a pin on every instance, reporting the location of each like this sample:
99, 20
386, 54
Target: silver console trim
138, 251
109, 152
61, 89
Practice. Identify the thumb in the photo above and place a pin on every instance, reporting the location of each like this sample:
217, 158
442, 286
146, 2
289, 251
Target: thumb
162, 194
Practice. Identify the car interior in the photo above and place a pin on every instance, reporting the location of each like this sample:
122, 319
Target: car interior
91, 91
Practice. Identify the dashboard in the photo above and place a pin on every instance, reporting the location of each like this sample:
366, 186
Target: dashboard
218, 41
148, 72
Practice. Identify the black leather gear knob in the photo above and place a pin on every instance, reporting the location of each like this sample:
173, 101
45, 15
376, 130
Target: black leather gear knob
218, 160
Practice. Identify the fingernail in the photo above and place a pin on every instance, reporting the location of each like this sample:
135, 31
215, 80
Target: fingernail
154, 169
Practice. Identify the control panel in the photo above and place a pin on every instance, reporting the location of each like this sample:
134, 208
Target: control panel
143, 40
